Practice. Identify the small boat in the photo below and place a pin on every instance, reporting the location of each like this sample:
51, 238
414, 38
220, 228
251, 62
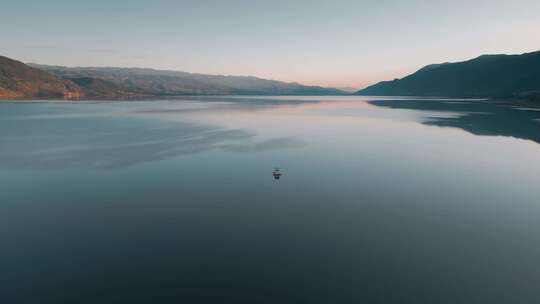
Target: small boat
277, 173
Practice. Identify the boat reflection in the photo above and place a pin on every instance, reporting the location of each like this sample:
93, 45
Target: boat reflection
277, 173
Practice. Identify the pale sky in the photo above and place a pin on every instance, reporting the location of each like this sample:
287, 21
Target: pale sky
329, 43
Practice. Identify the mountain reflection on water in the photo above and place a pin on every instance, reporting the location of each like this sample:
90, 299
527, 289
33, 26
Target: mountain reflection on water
117, 135
377, 204
104, 142
476, 117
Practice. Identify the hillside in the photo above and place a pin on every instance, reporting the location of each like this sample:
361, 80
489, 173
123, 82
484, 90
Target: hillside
163, 82
99, 88
17, 80
515, 76
21, 81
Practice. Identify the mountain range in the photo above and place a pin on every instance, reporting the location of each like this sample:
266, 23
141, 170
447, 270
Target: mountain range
19, 80
487, 76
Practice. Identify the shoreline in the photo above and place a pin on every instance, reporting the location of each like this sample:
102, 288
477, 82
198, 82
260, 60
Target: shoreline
502, 102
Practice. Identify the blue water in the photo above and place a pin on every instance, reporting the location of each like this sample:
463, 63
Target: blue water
382, 201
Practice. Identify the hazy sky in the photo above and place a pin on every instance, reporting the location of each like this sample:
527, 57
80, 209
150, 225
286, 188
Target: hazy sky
330, 43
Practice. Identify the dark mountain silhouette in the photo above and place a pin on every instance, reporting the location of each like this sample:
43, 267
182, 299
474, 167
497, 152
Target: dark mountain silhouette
515, 76
17, 80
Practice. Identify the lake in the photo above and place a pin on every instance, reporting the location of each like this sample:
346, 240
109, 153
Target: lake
382, 200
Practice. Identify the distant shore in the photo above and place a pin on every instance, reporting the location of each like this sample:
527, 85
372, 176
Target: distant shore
515, 102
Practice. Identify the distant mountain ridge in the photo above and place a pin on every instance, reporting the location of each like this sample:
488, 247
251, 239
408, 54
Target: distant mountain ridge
152, 82
485, 76
22, 81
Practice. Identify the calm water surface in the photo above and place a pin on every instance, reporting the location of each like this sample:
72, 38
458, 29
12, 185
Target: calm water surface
382, 201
